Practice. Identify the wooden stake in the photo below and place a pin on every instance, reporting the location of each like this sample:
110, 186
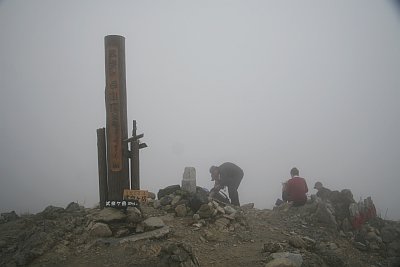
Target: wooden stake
116, 117
102, 165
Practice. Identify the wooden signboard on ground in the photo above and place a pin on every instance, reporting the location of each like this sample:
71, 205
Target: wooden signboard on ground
140, 195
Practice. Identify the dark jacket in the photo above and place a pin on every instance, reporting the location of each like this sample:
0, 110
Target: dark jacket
324, 193
230, 174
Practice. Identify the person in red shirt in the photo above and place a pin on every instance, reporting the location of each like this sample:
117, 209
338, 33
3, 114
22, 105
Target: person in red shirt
296, 188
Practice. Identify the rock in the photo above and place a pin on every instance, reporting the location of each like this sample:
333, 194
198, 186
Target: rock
230, 217
196, 217
73, 206
310, 242
9, 216
247, 206
373, 246
209, 236
324, 215
272, 247
360, 246
296, 259
332, 246
220, 209
151, 195
108, 215
373, 237
222, 223
122, 232
168, 190
389, 234
282, 262
165, 200
181, 210
133, 215
139, 228
100, 230
346, 226
175, 200
394, 249
51, 212
205, 211
156, 204
153, 223
198, 199
229, 210
157, 233
178, 254
297, 242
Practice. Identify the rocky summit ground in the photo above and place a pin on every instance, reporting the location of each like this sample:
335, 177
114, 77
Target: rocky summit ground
173, 235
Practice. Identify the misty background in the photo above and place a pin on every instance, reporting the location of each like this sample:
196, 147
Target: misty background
268, 85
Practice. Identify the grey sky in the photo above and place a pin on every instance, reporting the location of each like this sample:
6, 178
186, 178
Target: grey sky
266, 84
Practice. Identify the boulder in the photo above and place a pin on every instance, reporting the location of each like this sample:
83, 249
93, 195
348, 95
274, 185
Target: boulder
9, 216
295, 259
72, 207
156, 204
272, 247
394, 249
198, 199
178, 254
151, 195
229, 210
168, 190
205, 211
297, 242
153, 223
181, 210
389, 233
122, 232
324, 215
100, 230
109, 215
281, 262
247, 206
165, 200
133, 215
52, 212
222, 223
175, 200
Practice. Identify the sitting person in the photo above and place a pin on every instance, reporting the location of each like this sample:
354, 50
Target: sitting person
296, 189
323, 192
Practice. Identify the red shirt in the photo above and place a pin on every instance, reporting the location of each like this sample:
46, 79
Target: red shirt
297, 189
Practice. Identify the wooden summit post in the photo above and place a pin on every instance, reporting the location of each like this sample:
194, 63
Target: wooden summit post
116, 117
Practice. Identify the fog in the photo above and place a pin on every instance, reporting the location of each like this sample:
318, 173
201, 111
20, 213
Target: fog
268, 85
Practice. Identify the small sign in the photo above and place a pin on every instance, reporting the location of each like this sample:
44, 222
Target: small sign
121, 204
138, 195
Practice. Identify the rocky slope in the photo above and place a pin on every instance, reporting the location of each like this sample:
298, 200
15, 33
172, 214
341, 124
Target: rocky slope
181, 229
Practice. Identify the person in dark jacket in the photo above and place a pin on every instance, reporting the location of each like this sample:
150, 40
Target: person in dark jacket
230, 175
296, 188
323, 192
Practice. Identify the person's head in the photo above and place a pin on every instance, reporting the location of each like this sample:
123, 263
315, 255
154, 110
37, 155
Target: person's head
318, 185
294, 172
214, 173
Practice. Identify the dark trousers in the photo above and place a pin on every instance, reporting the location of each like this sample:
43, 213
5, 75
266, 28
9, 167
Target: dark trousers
232, 190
